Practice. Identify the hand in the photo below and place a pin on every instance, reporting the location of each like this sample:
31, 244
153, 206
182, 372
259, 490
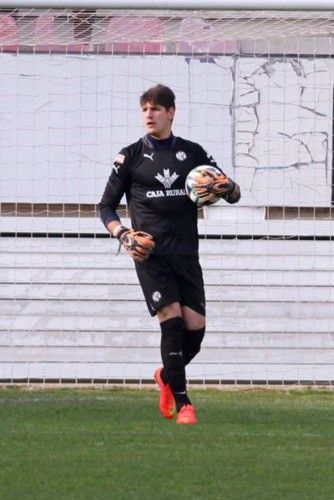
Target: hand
138, 244
212, 184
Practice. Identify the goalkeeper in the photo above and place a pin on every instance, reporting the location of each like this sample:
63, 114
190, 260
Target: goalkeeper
163, 239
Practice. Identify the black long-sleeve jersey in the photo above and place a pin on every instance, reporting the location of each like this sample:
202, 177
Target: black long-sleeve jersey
152, 175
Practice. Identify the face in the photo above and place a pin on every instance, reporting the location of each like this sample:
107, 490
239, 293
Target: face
157, 120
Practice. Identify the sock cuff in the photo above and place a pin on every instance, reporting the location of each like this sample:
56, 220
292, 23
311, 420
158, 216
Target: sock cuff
172, 325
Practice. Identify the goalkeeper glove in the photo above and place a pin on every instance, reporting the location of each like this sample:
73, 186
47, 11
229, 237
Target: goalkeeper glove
138, 244
212, 184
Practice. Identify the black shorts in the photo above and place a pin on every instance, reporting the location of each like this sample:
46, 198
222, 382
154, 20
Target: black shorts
168, 279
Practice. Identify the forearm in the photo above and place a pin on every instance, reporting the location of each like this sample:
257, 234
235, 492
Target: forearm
110, 200
111, 226
233, 196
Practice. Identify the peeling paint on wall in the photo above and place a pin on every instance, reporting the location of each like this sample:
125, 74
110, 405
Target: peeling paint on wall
283, 115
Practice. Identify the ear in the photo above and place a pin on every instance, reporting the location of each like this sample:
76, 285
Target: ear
171, 113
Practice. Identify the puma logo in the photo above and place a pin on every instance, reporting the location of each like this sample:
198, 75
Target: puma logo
148, 156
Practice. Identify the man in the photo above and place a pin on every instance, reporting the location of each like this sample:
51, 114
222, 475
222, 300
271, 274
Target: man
164, 239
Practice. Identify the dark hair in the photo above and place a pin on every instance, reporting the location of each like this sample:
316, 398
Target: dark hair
159, 94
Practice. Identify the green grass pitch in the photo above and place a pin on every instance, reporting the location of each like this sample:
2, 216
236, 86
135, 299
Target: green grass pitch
112, 444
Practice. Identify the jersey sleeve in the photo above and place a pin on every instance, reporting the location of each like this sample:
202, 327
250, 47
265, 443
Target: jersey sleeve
115, 188
204, 159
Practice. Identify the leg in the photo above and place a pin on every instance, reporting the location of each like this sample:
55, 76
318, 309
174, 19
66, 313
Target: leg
160, 281
193, 334
188, 341
173, 373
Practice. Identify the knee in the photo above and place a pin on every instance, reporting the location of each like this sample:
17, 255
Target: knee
192, 343
192, 319
169, 312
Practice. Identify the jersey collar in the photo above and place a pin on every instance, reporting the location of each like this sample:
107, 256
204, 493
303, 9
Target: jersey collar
159, 144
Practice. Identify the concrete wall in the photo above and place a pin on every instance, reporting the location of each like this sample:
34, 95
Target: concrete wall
72, 309
267, 121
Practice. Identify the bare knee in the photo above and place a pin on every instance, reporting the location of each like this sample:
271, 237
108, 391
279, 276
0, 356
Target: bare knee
192, 319
170, 311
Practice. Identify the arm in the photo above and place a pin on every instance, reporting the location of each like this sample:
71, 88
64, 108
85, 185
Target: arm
138, 244
113, 193
112, 226
234, 194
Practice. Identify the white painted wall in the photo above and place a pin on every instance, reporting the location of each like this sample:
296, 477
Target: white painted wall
64, 118
266, 121
283, 128
72, 308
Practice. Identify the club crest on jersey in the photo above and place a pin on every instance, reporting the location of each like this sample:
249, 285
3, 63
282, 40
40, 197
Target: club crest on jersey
156, 296
181, 155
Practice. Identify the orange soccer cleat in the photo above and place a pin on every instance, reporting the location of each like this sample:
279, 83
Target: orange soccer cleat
166, 398
187, 415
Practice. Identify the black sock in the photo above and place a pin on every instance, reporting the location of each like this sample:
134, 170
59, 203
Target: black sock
192, 340
172, 359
